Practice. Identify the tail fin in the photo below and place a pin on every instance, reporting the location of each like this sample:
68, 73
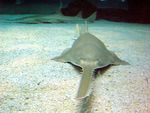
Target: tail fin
81, 29
91, 18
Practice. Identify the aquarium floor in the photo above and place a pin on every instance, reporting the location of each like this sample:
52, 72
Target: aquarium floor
30, 82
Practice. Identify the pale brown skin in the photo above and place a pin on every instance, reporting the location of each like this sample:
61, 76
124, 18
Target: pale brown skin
89, 53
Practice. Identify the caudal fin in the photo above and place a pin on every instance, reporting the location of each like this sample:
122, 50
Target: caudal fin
91, 18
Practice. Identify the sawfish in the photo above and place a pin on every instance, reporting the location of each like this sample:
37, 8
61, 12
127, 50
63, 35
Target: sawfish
89, 53
51, 18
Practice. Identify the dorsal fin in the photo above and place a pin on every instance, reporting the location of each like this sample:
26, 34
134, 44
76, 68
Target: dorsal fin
91, 18
77, 29
60, 6
82, 28
86, 27
79, 14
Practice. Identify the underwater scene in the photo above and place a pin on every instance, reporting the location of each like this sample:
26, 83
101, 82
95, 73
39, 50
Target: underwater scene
74, 56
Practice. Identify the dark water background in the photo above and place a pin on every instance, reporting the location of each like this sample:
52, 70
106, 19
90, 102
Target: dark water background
115, 10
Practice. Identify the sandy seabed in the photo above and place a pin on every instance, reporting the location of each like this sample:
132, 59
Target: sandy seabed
30, 82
